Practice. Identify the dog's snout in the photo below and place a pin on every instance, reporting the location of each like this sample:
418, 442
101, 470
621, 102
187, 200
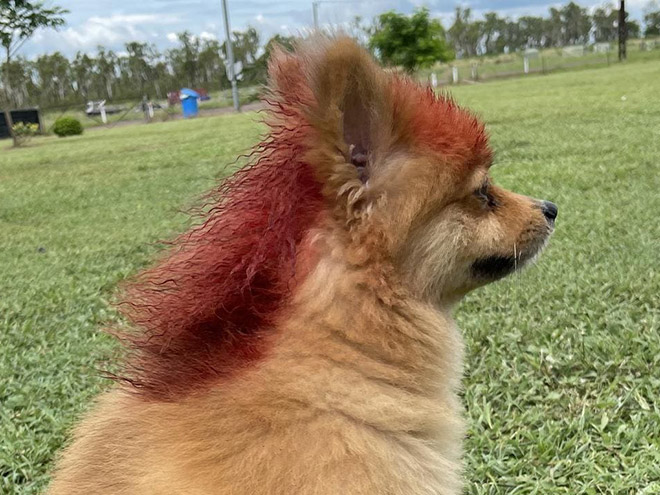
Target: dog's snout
549, 209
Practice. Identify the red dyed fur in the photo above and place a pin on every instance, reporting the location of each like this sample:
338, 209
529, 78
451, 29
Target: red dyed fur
204, 309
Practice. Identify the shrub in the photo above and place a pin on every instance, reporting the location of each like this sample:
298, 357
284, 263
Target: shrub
67, 126
23, 132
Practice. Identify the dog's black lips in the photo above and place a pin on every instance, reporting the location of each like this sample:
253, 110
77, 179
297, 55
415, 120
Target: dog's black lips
494, 267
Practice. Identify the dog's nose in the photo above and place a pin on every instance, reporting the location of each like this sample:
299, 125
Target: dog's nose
549, 209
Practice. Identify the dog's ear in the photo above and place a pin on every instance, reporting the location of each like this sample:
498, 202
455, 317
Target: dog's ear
349, 117
287, 81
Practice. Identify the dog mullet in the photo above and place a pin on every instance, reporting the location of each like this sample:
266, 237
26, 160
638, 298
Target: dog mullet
204, 308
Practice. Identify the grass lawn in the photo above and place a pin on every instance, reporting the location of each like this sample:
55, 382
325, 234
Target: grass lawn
562, 383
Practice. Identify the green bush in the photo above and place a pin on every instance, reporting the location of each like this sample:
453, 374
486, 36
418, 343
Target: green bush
67, 126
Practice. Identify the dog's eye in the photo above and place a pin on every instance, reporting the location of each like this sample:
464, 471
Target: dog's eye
483, 193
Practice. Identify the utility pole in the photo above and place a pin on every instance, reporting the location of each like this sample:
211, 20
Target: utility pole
623, 32
230, 59
315, 11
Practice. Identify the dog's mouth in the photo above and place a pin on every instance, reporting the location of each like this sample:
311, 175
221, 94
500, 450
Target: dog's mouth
494, 267
498, 266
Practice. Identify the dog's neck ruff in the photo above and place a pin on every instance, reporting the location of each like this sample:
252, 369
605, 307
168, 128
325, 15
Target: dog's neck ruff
202, 311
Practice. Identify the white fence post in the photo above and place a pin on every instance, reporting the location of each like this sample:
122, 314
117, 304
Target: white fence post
104, 118
434, 80
474, 72
526, 64
454, 74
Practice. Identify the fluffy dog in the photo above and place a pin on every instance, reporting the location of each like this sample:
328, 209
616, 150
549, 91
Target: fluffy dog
300, 340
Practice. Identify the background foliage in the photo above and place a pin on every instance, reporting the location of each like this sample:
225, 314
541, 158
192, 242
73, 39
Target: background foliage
410, 42
52, 80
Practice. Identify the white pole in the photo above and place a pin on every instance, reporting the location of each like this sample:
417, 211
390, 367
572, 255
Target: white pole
526, 64
104, 118
454, 74
315, 11
230, 57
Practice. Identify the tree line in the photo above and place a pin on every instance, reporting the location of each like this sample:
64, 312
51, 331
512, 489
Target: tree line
141, 69
53, 80
567, 25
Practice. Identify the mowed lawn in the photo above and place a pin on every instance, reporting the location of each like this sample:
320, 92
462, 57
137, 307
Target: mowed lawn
562, 385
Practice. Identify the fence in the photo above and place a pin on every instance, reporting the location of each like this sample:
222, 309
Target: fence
537, 62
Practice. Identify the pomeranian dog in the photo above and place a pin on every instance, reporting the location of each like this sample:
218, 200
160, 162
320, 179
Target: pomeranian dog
300, 339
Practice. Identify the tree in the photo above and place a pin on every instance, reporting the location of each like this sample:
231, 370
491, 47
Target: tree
279, 41
54, 75
82, 69
246, 46
106, 71
652, 19
19, 19
185, 59
462, 35
605, 21
211, 65
510, 38
554, 27
531, 31
19, 74
576, 24
411, 42
491, 31
139, 63
633, 28
286, 43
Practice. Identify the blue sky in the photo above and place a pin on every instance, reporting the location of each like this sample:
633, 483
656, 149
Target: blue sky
112, 23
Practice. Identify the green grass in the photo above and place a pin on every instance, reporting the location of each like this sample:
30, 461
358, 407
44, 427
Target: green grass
562, 382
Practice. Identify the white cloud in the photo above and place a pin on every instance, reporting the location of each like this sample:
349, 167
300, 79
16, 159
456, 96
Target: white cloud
99, 30
259, 18
172, 37
205, 35
113, 30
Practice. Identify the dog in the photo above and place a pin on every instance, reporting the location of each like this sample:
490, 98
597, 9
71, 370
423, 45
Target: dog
299, 340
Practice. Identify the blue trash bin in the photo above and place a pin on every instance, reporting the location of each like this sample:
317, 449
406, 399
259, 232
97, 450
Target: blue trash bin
189, 99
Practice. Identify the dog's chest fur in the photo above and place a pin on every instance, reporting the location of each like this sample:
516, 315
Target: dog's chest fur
358, 395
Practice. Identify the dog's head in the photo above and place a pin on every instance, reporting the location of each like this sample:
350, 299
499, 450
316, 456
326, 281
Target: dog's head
405, 173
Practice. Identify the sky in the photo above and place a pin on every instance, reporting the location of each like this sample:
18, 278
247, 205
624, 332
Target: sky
112, 23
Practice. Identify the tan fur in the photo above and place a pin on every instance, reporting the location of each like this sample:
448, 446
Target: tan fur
358, 393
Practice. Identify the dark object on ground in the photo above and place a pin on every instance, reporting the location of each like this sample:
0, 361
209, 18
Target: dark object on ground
203, 94
25, 115
67, 126
173, 98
